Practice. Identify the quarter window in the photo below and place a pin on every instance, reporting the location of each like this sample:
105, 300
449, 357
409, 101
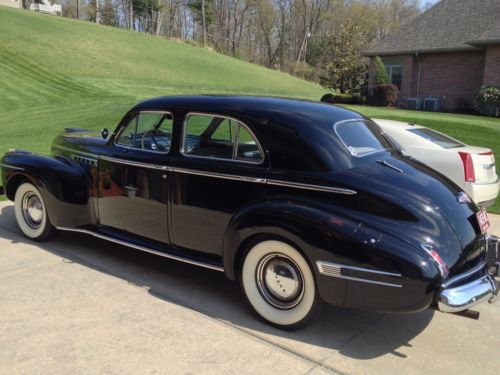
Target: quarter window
219, 138
150, 131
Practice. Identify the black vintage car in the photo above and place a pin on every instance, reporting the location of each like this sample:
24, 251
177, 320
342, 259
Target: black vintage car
302, 202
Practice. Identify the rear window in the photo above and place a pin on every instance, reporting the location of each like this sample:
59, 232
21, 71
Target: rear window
437, 138
361, 137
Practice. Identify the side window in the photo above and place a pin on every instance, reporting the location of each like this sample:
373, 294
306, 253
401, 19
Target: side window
150, 131
219, 138
247, 146
127, 136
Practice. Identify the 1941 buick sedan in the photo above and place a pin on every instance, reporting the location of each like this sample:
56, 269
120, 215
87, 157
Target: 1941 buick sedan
302, 202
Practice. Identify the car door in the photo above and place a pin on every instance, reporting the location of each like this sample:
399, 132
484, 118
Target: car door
221, 168
134, 176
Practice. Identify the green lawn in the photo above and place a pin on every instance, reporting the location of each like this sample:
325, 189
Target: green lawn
57, 72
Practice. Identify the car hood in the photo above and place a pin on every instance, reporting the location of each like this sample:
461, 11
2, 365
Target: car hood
406, 199
83, 136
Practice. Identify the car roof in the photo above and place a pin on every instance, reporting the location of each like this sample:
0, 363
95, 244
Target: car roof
291, 112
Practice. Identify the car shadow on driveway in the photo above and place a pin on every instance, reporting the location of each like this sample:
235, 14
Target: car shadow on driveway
353, 333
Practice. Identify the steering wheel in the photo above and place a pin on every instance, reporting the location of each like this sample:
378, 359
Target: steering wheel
153, 133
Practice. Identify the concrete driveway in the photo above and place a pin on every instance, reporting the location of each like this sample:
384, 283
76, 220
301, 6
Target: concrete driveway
81, 305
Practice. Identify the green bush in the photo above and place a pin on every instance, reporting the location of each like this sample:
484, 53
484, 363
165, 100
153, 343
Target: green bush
385, 95
488, 101
380, 76
343, 99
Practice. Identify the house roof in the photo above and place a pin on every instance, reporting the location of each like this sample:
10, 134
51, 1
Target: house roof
449, 26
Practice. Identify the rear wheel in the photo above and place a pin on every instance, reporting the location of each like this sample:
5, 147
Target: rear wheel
31, 213
279, 284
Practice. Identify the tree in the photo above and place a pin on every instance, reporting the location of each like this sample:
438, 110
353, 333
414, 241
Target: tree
380, 72
346, 69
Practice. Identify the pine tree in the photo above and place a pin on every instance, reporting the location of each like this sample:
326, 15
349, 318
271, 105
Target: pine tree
380, 75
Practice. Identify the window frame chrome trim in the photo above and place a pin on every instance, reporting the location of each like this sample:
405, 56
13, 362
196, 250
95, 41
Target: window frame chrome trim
145, 249
235, 142
337, 273
122, 129
138, 164
299, 185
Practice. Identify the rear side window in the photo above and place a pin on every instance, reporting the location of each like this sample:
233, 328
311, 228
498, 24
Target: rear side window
437, 138
361, 137
217, 137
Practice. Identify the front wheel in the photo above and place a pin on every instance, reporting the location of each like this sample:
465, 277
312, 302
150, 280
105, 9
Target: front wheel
31, 213
279, 284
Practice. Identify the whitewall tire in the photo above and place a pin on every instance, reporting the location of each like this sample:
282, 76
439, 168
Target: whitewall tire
279, 284
31, 213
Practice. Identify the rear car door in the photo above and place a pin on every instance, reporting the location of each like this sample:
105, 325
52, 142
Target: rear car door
134, 176
221, 168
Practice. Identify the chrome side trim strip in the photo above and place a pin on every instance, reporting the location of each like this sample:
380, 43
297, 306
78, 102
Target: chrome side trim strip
371, 271
299, 185
458, 278
11, 167
145, 249
221, 175
137, 163
76, 151
335, 270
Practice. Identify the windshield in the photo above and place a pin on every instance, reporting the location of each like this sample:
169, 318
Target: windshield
437, 138
361, 137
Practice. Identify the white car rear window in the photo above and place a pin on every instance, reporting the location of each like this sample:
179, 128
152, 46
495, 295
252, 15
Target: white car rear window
437, 138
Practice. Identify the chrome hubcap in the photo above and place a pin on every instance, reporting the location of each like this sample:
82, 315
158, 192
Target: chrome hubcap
32, 210
280, 281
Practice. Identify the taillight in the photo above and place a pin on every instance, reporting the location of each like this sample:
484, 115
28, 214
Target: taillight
468, 166
486, 153
438, 261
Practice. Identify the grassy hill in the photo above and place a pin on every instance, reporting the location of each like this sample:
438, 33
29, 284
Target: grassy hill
57, 72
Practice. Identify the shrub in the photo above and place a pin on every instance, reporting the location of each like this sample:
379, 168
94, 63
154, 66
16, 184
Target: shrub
380, 72
385, 95
343, 99
488, 101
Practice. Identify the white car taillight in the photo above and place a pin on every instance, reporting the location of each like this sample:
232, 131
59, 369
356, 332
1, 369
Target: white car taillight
468, 166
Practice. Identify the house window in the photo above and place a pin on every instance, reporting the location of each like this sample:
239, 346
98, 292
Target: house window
395, 72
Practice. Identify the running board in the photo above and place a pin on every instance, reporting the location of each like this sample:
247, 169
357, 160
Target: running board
145, 249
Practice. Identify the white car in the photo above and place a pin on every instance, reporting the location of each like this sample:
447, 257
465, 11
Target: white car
472, 168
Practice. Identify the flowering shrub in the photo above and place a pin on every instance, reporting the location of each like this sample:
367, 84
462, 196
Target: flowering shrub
488, 101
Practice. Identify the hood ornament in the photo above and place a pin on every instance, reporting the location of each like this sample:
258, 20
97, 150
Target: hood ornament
463, 197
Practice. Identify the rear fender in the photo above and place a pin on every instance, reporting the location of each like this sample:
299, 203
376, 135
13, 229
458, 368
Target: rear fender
327, 235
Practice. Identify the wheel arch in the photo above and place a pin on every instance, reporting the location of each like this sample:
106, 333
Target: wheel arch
307, 229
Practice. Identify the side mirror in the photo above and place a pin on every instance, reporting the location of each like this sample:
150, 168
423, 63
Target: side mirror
104, 133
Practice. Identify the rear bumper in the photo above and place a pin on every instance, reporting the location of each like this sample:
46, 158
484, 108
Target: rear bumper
475, 286
483, 194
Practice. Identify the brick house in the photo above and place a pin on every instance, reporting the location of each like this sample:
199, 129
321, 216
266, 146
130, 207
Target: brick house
447, 53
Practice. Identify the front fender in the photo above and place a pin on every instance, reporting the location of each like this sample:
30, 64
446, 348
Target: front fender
61, 181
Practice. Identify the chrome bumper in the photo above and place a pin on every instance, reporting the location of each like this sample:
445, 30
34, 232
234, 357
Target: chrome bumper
477, 285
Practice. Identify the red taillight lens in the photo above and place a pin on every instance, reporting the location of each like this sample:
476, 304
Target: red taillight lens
468, 166
486, 153
441, 265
